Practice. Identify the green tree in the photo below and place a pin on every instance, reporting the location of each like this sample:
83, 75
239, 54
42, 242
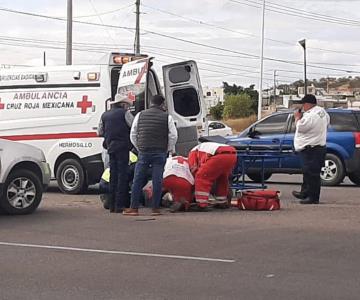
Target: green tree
217, 111
232, 89
237, 90
237, 106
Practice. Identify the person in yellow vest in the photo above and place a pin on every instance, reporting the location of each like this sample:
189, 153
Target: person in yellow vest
104, 184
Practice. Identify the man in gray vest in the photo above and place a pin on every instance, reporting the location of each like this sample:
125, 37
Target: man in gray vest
153, 133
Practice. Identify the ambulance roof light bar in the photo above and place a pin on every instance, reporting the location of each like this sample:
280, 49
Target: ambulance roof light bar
123, 58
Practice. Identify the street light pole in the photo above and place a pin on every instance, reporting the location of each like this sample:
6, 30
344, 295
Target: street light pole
303, 44
261, 61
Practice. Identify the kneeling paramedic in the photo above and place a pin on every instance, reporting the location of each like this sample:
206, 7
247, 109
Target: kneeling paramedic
179, 182
104, 185
211, 163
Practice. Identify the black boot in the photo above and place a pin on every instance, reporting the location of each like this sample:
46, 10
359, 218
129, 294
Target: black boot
309, 201
299, 195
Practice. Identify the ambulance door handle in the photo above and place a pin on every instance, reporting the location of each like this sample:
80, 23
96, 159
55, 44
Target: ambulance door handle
276, 140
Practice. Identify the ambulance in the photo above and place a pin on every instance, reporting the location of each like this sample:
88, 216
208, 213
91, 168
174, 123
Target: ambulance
58, 109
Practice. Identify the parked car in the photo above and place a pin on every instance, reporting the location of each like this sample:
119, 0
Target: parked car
219, 128
24, 175
343, 145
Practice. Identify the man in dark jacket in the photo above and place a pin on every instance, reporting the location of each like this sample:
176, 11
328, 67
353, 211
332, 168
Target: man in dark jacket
153, 134
116, 127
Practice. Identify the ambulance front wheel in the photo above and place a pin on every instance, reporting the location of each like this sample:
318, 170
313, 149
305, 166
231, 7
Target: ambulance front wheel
70, 176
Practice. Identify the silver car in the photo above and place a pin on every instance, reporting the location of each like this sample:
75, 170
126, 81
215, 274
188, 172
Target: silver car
24, 175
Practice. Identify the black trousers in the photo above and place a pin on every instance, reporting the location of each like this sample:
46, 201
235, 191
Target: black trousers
119, 183
313, 160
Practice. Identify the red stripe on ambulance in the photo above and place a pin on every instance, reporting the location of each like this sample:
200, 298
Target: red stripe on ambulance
50, 136
141, 74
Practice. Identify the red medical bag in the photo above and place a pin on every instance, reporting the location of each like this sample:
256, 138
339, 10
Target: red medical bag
259, 200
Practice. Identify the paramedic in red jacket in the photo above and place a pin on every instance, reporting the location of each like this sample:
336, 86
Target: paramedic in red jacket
179, 182
211, 163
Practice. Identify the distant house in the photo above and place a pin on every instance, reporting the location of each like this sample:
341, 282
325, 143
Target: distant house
213, 96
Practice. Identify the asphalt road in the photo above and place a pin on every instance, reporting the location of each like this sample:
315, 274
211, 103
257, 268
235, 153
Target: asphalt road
300, 252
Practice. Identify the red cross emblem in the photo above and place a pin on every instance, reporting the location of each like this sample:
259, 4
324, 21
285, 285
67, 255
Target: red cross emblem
131, 96
84, 104
2, 105
181, 160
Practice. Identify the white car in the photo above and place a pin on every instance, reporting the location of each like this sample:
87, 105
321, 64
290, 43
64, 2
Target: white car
24, 175
219, 128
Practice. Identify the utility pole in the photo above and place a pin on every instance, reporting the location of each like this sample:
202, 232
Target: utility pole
261, 61
44, 58
275, 87
69, 33
137, 33
327, 85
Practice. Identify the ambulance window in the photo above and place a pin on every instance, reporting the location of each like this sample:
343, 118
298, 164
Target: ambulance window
179, 74
152, 86
115, 73
186, 102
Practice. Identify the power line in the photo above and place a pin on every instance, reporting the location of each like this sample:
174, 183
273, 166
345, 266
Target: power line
101, 21
106, 12
181, 40
297, 10
293, 12
200, 22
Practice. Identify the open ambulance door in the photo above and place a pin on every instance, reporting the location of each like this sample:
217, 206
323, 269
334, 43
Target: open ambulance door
185, 103
133, 83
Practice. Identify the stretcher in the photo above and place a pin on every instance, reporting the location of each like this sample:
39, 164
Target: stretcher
256, 153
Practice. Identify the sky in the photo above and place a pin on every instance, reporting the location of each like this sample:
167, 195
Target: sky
222, 36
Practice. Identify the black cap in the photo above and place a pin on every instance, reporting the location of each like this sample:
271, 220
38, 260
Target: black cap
308, 99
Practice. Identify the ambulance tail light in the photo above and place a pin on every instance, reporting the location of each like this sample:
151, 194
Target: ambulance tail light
94, 76
357, 139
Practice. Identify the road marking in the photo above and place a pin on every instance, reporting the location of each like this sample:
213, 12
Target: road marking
198, 258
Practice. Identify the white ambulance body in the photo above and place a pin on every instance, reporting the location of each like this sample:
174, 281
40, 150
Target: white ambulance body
183, 93
58, 109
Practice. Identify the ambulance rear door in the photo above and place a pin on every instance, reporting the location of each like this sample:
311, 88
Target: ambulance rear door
183, 93
133, 83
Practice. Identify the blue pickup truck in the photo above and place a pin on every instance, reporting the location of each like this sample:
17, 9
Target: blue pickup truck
278, 129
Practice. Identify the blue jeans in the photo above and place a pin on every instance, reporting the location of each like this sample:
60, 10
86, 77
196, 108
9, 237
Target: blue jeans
146, 160
119, 183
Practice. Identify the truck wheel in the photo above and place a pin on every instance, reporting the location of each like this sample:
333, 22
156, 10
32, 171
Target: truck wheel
355, 177
70, 177
333, 172
256, 177
22, 193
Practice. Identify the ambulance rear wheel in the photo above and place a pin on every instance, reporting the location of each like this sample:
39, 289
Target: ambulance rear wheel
70, 177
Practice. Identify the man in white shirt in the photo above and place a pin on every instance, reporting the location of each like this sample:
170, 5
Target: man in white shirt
310, 142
